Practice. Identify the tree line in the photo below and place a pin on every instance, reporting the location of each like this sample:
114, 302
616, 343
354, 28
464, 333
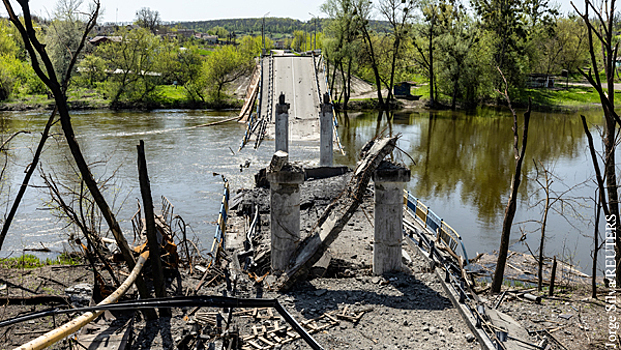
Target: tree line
455, 48
128, 68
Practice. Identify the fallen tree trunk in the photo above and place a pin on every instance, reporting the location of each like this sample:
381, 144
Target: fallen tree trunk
337, 214
34, 299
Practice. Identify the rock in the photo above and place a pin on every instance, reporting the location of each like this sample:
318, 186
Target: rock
375, 280
433, 330
426, 329
451, 329
469, 337
406, 323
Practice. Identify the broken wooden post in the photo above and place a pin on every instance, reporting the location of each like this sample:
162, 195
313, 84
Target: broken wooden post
282, 124
159, 281
552, 278
326, 143
284, 214
389, 181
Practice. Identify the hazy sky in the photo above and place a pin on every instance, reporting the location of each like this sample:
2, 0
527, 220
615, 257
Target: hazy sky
194, 10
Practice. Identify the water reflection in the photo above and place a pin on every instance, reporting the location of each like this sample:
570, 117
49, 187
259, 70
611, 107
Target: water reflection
464, 164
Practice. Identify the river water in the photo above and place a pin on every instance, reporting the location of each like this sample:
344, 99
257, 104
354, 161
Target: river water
462, 171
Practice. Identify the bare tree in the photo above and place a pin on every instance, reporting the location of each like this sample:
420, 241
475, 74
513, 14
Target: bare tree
398, 13
363, 9
545, 178
515, 184
38, 56
602, 37
149, 19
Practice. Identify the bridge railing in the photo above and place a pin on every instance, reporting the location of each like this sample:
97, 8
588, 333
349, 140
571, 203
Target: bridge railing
218, 239
431, 221
251, 120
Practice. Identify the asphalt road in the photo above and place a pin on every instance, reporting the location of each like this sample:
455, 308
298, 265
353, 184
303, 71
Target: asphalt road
295, 77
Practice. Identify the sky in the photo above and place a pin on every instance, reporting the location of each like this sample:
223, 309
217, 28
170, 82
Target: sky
196, 10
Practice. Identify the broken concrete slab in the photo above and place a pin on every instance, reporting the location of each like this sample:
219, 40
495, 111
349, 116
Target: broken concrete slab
337, 214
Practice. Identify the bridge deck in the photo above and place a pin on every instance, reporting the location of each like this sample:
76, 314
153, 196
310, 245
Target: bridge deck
296, 77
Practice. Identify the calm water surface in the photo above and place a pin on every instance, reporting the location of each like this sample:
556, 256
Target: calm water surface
463, 170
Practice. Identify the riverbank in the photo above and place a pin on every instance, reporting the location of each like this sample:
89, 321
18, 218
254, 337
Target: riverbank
166, 97
568, 99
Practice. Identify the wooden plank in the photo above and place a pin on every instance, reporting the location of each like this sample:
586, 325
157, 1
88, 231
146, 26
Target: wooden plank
255, 345
266, 341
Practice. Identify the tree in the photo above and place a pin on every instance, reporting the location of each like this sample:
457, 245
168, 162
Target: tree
44, 68
515, 184
63, 34
186, 68
92, 70
602, 38
362, 12
458, 59
514, 23
424, 44
218, 31
343, 47
135, 63
224, 66
398, 13
8, 45
299, 41
551, 201
8, 65
148, 19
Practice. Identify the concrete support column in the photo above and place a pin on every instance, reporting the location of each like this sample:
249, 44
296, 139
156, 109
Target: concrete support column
282, 125
326, 129
389, 184
284, 215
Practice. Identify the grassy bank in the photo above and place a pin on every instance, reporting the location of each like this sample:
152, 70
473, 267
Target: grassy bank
560, 99
165, 97
29, 261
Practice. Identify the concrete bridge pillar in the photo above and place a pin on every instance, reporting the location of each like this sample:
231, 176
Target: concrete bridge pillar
282, 125
284, 215
389, 184
326, 129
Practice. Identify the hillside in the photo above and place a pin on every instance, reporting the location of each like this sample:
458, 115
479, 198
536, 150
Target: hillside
273, 25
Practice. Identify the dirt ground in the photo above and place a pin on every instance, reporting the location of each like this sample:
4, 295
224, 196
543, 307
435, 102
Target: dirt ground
351, 308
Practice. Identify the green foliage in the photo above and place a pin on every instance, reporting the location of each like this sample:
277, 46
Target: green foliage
8, 37
251, 46
185, 68
8, 66
135, 64
564, 48
26, 261
29, 261
224, 66
92, 71
63, 35
219, 31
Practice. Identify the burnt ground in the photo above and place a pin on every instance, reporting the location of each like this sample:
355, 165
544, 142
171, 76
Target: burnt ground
404, 310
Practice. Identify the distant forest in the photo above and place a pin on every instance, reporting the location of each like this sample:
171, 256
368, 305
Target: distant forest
273, 25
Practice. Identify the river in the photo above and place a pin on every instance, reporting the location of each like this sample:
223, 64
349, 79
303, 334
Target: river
464, 164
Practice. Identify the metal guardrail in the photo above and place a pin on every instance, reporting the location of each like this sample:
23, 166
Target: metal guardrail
435, 224
249, 128
218, 239
453, 281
